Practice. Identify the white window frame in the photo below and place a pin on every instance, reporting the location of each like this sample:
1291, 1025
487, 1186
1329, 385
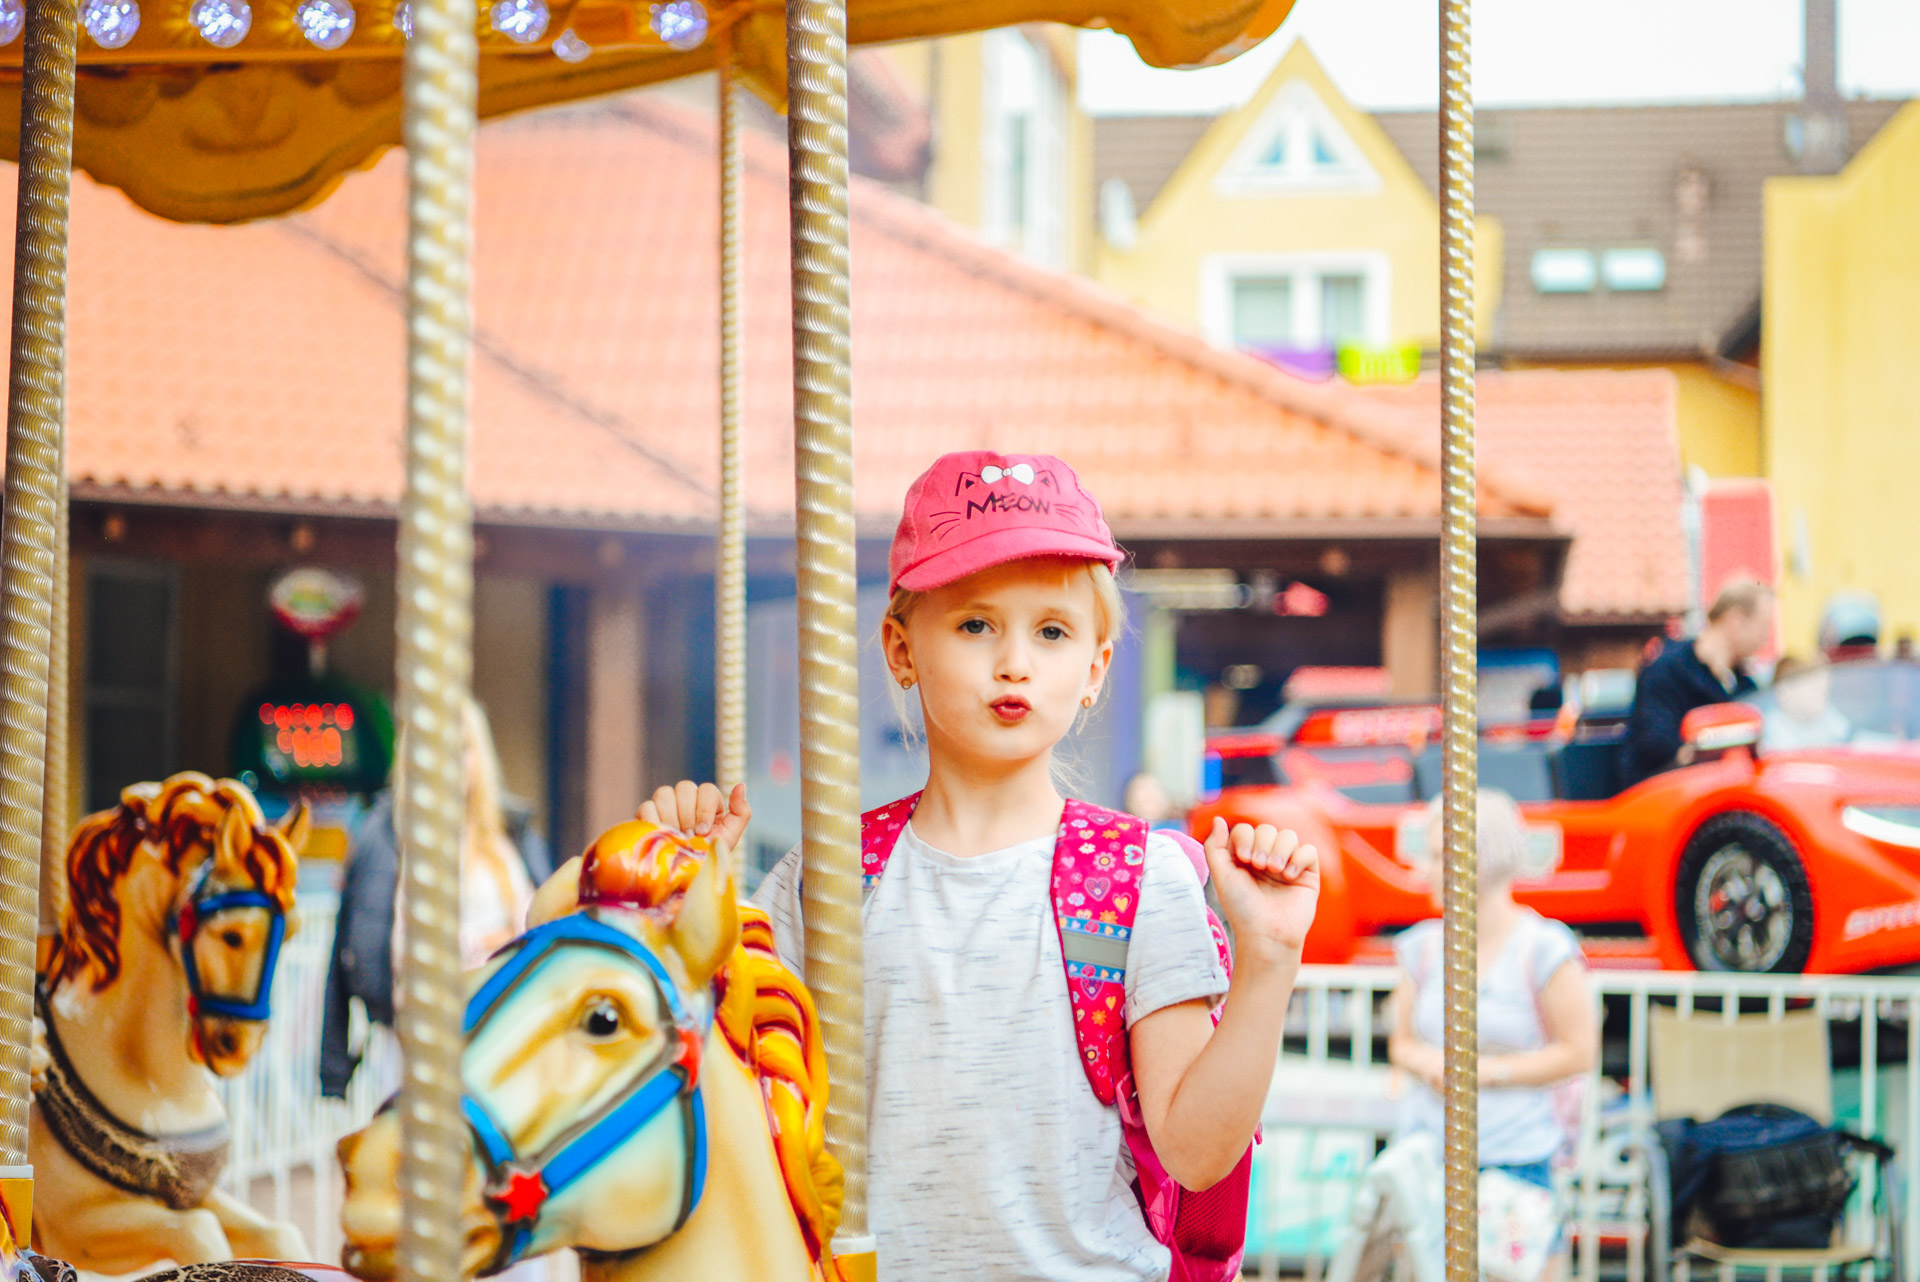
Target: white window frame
1218, 272
1297, 109
1040, 234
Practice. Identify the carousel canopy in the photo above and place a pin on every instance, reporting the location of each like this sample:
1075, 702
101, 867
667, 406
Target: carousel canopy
227, 110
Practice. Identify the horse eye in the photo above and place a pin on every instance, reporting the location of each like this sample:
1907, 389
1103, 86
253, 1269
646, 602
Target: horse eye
601, 1021
231, 938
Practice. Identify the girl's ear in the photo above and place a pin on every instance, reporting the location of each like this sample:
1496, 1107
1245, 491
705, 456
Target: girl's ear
1097, 671
893, 644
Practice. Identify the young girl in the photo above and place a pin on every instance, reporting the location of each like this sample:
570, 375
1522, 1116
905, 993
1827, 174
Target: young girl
1538, 1023
988, 1154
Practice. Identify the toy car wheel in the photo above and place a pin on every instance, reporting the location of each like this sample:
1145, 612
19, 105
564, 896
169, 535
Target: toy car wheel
1742, 897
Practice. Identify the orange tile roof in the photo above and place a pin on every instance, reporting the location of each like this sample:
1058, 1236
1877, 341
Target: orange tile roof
260, 365
1601, 445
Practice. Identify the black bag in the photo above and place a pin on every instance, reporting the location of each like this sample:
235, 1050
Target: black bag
1776, 1178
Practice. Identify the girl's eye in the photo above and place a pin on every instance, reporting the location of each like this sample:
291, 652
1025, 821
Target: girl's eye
974, 627
1054, 632
601, 1021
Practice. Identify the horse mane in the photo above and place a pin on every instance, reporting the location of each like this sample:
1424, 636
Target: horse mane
181, 818
769, 1020
762, 1008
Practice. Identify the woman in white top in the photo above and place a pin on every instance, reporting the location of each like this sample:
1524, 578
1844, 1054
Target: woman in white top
1538, 1023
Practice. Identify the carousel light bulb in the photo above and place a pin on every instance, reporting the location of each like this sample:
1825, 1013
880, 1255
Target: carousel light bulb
522, 21
681, 23
403, 18
111, 23
325, 23
567, 46
13, 19
221, 23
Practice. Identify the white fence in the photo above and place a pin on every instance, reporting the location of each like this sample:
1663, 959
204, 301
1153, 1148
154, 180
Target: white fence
1332, 1084
1337, 1084
283, 1132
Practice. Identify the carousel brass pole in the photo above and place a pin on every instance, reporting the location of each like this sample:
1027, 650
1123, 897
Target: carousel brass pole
35, 491
54, 817
730, 562
1458, 642
829, 676
435, 626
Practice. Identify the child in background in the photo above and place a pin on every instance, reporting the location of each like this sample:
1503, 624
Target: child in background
988, 1154
1145, 798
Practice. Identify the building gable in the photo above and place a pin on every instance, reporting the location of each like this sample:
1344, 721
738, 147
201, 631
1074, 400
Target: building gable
1296, 146
1350, 258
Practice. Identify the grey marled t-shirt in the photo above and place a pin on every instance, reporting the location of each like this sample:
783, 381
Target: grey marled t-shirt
988, 1154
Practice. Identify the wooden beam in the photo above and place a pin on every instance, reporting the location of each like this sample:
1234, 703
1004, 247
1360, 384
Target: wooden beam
616, 706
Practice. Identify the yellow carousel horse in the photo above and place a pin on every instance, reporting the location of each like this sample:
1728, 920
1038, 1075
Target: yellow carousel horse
176, 905
644, 1082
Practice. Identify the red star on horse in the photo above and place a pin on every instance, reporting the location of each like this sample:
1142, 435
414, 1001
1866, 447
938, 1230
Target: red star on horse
521, 1200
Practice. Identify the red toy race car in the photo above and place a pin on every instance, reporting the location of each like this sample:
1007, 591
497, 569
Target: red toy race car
1753, 858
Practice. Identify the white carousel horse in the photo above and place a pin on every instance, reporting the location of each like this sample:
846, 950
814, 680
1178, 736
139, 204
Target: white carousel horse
176, 904
644, 1082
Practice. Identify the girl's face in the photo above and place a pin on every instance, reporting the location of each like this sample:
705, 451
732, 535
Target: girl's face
1003, 659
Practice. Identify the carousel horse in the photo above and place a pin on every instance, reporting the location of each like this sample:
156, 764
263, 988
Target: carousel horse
175, 906
644, 1083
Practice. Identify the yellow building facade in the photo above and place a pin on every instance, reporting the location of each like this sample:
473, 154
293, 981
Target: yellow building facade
1841, 329
1294, 222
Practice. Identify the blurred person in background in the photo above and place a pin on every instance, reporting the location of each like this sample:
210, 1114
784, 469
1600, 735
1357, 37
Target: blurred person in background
1222, 705
1539, 1037
1709, 669
1804, 715
497, 877
1850, 626
1538, 1025
1148, 800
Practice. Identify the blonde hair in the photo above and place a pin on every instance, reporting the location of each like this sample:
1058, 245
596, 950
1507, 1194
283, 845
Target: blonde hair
1500, 837
486, 850
1744, 593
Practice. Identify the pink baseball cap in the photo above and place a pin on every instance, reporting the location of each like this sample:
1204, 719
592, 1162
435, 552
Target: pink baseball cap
978, 509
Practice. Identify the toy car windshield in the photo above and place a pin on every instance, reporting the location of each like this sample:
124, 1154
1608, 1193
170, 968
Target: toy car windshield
1871, 706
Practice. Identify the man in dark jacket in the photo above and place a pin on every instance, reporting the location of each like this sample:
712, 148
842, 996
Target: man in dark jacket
1686, 675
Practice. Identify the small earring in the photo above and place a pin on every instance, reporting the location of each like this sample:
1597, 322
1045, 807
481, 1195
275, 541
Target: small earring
1087, 702
906, 683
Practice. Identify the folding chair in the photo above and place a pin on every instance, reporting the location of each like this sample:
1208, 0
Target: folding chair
1705, 1065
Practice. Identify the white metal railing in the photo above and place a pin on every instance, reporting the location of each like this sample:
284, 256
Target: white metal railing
284, 1133
282, 1161
1319, 1089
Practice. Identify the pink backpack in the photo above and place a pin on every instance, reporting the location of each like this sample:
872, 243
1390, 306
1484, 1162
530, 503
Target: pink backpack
1097, 863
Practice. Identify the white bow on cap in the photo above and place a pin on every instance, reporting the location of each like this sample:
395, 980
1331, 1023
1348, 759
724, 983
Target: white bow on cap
1021, 472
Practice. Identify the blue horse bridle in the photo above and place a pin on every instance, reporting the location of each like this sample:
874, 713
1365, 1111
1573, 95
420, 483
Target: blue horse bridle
519, 1187
205, 902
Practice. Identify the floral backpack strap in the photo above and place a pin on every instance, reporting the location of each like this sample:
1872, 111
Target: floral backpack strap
1098, 861
880, 830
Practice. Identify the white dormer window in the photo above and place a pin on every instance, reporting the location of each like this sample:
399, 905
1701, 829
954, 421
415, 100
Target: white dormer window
1297, 146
